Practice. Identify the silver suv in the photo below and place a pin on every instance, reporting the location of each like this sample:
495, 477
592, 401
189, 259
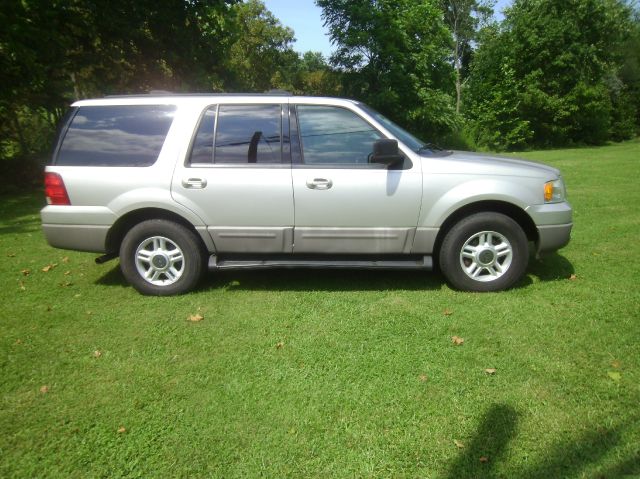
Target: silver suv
178, 184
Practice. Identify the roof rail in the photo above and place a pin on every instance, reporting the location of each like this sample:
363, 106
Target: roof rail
277, 91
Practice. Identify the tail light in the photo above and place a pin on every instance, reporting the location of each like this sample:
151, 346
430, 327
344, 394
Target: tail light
55, 190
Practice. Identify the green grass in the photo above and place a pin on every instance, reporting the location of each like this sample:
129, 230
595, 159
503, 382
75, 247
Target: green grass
328, 373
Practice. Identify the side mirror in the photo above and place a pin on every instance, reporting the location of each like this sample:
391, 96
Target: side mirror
386, 151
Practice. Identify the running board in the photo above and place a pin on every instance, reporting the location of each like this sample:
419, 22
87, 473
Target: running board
413, 262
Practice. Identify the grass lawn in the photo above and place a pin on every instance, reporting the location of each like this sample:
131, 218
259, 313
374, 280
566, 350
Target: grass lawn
331, 373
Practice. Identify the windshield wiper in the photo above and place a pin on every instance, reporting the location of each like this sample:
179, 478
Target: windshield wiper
429, 146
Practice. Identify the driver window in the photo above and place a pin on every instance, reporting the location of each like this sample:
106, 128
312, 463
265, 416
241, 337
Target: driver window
334, 135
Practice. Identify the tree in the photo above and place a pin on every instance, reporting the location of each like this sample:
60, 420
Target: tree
54, 52
553, 65
463, 18
393, 55
627, 89
261, 56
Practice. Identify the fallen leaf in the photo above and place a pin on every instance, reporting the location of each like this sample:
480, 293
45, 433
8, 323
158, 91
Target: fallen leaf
457, 340
196, 317
18, 341
573, 277
49, 267
66, 284
459, 444
26, 272
89, 313
484, 459
21, 284
121, 430
67, 273
280, 345
490, 371
44, 389
615, 375
423, 377
11, 255
447, 312
616, 364
97, 353
65, 259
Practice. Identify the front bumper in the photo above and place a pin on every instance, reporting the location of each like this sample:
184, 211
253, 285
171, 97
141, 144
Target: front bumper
553, 237
554, 223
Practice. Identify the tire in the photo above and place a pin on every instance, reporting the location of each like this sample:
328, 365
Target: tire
484, 252
162, 258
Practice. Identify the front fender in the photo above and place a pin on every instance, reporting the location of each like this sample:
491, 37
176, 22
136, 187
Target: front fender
444, 194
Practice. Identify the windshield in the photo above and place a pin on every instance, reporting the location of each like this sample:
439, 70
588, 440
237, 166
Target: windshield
403, 135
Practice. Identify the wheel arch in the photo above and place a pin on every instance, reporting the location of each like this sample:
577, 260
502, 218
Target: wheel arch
123, 224
487, 206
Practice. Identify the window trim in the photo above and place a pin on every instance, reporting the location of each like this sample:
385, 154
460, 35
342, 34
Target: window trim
285, 160
62, 132
406, 164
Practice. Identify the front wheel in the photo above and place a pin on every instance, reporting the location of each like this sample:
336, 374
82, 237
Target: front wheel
484, 252
161, 258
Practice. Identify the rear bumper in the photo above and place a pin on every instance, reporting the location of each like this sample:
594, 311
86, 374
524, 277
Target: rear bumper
553, 237
80, 228
77, 237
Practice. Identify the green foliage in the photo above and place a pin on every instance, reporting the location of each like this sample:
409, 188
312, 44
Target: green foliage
394, 56
627, 92
553, 72
54, 52
261, 56
463, 18
558, 80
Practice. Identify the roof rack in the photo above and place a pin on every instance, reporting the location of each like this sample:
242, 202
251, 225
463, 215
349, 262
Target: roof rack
277, 91
168, 93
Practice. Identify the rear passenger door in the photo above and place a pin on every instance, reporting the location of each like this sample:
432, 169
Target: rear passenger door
237, 177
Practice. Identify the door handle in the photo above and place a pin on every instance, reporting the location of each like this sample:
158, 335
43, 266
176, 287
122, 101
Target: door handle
319, 183
194, 183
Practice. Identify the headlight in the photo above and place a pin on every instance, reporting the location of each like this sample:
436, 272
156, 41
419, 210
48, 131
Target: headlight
554, 191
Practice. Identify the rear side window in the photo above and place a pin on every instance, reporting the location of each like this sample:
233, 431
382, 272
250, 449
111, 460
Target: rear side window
244, 135
130, 135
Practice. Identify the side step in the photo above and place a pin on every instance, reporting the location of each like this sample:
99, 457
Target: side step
396, 262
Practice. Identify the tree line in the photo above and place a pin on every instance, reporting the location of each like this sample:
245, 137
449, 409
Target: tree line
550, 73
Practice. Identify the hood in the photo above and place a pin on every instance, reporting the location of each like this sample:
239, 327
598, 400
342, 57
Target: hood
487, 164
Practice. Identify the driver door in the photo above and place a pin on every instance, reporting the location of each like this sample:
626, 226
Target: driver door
343, 202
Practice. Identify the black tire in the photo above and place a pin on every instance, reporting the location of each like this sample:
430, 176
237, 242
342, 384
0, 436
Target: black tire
176, 258
487, 256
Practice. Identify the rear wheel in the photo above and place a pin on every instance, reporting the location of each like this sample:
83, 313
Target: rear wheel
484, 252
160, 257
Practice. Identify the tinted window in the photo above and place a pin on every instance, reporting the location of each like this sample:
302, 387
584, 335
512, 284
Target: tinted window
116, 135
248, 134
202, 149
333, 135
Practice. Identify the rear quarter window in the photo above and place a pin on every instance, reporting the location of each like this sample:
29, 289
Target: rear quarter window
130, 135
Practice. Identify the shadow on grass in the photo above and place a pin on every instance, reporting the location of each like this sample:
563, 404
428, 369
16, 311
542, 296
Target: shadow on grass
498, 426
19, 213
563, 459
551, 268
304, 280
